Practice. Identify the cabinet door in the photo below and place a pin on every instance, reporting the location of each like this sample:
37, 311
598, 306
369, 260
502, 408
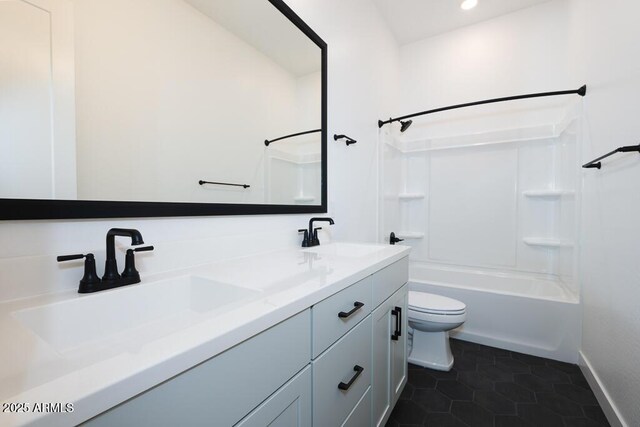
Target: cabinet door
399, 365
290, 406
389, 354
381, 380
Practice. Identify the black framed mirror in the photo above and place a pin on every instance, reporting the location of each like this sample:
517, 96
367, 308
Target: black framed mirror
156, 109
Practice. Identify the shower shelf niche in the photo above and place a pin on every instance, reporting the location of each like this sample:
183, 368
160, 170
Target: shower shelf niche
411, 196
551, 193
547, 242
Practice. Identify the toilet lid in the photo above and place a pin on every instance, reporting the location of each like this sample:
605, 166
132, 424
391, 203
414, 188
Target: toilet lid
430, 303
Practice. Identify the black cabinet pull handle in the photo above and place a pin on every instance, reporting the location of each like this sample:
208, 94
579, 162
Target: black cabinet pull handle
395, 334
345, 386
356, 306
399, 327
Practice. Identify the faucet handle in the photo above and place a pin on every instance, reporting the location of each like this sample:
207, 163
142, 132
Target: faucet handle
305, 238
64, 258
143, 249
130, 274
90, 281
315, 240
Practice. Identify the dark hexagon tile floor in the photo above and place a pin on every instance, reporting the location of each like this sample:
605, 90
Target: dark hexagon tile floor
497, 388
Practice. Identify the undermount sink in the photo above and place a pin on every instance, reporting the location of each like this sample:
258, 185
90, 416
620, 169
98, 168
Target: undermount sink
349, 250
139, 311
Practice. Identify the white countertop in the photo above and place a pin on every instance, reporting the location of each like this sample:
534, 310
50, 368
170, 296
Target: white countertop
101, 372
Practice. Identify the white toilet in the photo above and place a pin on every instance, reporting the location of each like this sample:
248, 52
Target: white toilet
431, 317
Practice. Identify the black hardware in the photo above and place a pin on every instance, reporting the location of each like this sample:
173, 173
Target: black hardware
396, 333
110, 266
305, 238
313, 233
356, 306
90, 281
345, 387
269, 141
582, 91
393, 239
315, 239
405, 125
626, 149
130, 271
31, 209
349, 140
399, 310
224, 183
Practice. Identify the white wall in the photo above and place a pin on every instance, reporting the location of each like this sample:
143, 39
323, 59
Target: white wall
362, 72
606, 38
522, 52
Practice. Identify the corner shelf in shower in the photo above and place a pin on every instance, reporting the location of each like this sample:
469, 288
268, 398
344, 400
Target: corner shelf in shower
480, 139
548, 194
411, 235
411, 196
547, 242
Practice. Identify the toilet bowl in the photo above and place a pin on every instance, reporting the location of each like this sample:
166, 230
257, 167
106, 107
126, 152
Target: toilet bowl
431, 317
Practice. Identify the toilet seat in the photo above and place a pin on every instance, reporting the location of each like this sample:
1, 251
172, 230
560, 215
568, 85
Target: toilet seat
439, 318
420, 302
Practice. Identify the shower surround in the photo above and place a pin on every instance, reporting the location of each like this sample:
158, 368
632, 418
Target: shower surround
488, 200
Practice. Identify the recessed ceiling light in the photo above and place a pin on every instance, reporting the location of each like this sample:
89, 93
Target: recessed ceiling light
468, 4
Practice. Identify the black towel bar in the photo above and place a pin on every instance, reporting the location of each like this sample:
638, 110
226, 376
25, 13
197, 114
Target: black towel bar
626, 149
223, 183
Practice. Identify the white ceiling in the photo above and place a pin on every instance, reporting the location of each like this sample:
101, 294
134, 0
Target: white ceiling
261, 25
412, 20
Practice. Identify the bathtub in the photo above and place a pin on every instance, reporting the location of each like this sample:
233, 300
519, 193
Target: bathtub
532, 315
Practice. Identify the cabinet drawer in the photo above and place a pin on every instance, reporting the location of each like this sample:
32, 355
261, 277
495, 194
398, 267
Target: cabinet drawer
336, 315
361, 415
336, 366
225, 388
388, 280
290, 406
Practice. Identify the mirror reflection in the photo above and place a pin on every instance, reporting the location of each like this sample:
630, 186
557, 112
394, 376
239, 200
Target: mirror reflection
158, 100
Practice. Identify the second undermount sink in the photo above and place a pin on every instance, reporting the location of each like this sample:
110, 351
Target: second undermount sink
140, 311
348, 250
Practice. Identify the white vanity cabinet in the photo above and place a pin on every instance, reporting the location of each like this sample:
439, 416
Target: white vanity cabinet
223, 390
376, 306
341, 362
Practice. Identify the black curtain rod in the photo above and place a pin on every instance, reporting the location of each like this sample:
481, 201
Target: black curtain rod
267, 142
224, 183
581, 91
596, 162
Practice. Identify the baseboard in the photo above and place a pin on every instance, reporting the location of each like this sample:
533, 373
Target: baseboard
606, 403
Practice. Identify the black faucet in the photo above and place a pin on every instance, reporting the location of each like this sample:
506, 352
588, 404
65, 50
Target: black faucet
90, 282
110, 265
311, 235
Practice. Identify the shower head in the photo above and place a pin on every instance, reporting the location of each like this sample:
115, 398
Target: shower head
405, 125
